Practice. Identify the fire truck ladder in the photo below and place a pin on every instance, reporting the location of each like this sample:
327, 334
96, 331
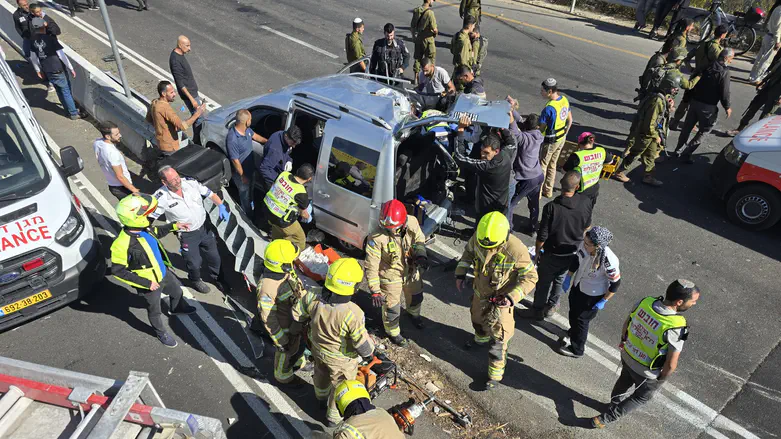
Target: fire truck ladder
44, 402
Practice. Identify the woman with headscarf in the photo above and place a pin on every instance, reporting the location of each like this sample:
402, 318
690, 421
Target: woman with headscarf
595, 277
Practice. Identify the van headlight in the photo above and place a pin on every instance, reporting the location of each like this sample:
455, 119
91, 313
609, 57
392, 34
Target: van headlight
70, 229
733, 156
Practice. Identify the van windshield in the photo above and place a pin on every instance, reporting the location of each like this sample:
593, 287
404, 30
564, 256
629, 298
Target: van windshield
22, 173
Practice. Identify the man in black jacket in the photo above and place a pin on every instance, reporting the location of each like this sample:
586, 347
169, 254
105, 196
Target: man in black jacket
23, 17
705, 97
389, 55
564, 220
492, 168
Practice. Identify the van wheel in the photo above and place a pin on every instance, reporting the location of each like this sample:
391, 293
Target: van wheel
754, 207
350, 249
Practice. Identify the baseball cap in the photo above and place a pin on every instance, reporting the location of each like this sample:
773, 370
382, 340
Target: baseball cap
37, 22
583, 137
357, 20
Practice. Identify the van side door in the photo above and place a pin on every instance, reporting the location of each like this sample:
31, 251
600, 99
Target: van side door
348, 174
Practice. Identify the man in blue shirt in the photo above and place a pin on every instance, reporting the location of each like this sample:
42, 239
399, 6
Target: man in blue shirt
556, 120
276, 154
238, 142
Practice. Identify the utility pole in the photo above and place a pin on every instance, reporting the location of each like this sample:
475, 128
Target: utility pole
114, 47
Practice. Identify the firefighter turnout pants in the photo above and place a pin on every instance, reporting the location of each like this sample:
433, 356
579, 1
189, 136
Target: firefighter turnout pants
412, 287
329, 370
496, 326
288, 361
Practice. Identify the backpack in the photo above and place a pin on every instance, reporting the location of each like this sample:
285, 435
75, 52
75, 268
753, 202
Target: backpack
347, 43
417, 13
652, 78
482, 52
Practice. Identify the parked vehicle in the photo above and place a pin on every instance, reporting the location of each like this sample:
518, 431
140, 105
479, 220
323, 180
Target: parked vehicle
354, 121
49, 253
747, 174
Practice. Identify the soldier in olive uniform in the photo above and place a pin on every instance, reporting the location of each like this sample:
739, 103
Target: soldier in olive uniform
470, 8
650, 129
424, 31
479, 48
658, 59
461, 48
704, 55
353, 45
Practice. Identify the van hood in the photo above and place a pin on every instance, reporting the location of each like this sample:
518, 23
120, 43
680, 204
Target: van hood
764, 135
32, 222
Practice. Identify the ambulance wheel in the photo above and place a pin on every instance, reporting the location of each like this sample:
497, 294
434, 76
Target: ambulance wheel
754, 207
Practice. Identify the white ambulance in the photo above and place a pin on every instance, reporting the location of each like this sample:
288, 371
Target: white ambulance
747, 174
49, 253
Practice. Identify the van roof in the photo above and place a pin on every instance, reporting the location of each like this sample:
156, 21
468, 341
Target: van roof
367, 95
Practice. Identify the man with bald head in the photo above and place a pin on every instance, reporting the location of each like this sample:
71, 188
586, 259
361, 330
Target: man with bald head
238, 142
185, 81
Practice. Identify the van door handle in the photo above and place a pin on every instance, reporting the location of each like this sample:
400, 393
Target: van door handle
323, 194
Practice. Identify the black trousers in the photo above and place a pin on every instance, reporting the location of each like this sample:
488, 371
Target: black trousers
552, 270
169, 286
195, 241
119, 191
580, 316
700, 114
198, 124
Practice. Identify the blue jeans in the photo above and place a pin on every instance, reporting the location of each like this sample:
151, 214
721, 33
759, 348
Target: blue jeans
63, 87
530, 189
27, 45
246, 192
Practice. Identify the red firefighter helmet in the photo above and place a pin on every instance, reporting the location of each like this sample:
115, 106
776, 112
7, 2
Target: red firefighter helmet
393, 215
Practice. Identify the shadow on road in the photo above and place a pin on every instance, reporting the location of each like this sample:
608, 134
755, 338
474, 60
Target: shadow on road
687, 195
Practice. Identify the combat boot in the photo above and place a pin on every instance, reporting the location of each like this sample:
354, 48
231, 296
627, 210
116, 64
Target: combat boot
651, 181
620, 176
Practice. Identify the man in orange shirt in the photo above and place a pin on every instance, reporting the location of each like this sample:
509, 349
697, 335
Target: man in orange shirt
166, 122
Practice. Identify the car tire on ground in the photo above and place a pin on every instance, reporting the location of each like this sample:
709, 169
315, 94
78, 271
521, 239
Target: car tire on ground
754, 207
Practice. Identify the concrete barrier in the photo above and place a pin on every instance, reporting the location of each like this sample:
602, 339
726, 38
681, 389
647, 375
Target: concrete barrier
96, 93
99, 94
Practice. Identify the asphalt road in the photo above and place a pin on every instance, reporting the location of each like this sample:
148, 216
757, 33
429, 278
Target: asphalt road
725, 385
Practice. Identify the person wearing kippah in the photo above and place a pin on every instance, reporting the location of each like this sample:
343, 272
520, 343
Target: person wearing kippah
651, 344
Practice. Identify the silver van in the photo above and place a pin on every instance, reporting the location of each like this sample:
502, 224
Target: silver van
367, 145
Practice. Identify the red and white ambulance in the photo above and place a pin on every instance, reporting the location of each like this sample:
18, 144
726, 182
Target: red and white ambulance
49, 253
747, 174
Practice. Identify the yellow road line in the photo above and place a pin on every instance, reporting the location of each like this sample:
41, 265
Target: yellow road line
555, 32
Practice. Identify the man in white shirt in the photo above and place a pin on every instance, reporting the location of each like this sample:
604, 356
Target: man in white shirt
112, 162
434, 80
181, 200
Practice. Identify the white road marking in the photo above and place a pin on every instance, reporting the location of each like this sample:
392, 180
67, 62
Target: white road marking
303, 43
273, 396
706, 414
152, 68
236, 380
701, 417
714, 417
